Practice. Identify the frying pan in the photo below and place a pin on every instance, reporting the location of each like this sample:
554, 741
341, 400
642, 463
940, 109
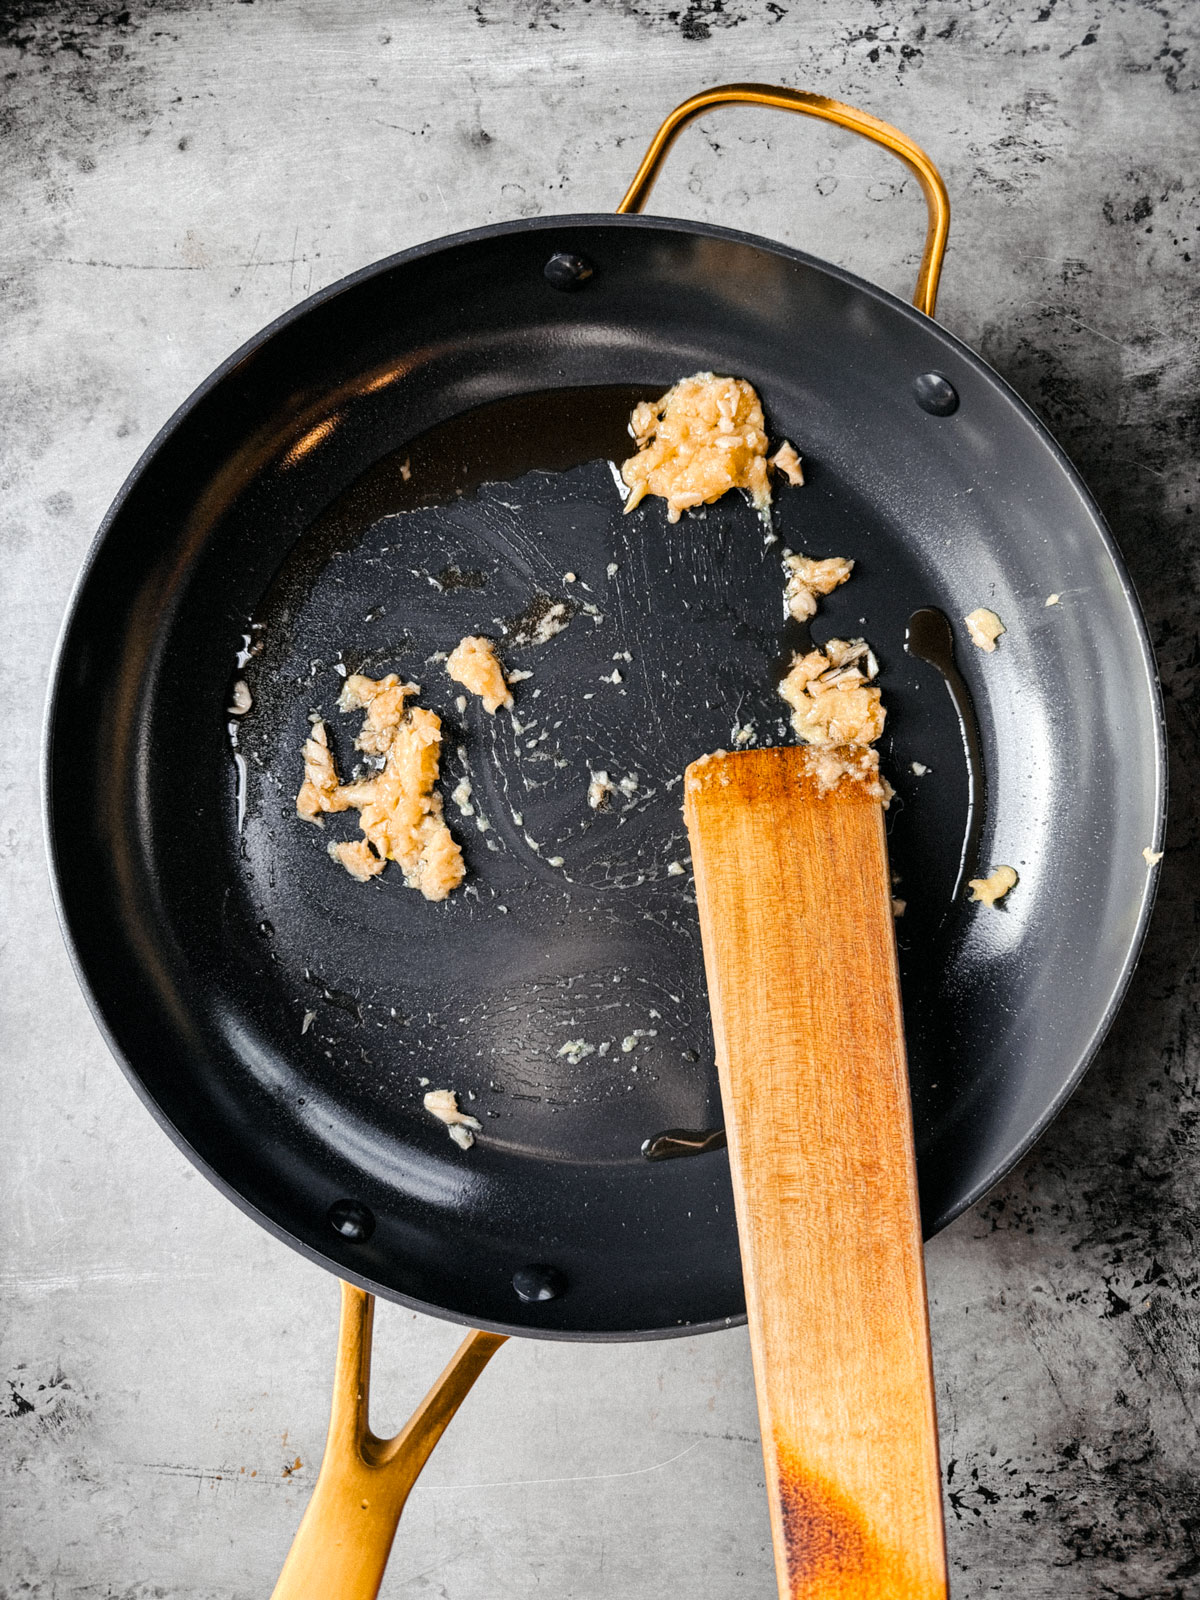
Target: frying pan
421, 452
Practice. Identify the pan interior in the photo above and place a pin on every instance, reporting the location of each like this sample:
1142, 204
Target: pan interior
561, 992
280, 1018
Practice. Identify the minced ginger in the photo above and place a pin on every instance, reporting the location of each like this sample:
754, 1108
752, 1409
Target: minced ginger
807, 578
473, 663
705, 436
400, 813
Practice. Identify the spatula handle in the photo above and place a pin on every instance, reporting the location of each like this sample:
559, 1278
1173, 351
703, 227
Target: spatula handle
795, 912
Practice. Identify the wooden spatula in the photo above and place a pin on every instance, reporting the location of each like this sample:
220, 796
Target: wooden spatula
795, 909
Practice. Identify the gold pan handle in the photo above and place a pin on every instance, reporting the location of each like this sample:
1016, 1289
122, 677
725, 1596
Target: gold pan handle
914, 158
342, 1546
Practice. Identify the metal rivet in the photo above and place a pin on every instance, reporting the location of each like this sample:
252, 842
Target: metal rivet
538, 1283
352, 1220
567, 271
935, 395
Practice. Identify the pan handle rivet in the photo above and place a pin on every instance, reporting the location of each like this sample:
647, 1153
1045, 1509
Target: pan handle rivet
351, 1220
935, 395
566, 271
538, 1283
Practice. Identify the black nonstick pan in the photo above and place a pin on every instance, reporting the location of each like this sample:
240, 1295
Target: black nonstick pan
423, 451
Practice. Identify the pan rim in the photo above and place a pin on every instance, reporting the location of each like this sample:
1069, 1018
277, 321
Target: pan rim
548, 224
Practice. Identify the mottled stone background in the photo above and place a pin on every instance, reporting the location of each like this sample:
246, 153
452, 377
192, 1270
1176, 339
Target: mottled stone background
173, 175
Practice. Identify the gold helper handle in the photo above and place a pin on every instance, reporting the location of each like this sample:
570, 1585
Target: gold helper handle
342, 1546
914, 158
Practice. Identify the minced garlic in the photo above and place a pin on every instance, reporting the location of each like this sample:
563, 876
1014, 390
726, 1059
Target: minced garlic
705, 436
400, 814
359, 860
473, 663
443, 1104
320, 786
830, 694
829, 764
807, 578
830, 767
600, 790
984, 627
576, 1049
989, 890
786, 460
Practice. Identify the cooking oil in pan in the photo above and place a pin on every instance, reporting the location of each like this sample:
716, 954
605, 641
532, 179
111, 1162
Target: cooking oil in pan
929, 637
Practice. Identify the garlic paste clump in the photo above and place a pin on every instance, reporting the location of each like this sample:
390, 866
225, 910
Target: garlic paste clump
705, 436
400, 811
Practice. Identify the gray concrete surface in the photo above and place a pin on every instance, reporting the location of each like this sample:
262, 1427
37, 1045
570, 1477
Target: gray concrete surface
172, 176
